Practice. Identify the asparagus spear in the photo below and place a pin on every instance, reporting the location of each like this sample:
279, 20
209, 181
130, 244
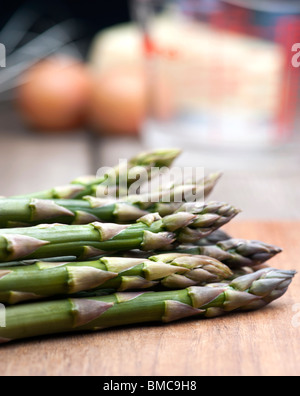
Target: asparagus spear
32, 211
246, 293
214, 238
88, 185
235, 253
211, 239
46, 279
241, 254
151, 232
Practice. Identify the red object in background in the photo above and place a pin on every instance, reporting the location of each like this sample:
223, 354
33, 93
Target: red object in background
151, 49
234, 19
287, 34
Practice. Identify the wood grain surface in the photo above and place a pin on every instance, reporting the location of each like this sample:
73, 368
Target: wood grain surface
263, 343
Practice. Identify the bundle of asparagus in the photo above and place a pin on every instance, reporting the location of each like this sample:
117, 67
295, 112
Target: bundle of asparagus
88, 185
146, 258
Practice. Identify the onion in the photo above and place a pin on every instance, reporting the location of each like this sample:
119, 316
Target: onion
54, 94
121, 99
118, 102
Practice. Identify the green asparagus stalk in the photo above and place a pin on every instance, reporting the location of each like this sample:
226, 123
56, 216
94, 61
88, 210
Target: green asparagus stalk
235, 253
213, 238
46, 279
246, 293
83, 186
22, 212
150, 232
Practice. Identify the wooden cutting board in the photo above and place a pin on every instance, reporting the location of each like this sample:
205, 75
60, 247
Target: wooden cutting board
264, 343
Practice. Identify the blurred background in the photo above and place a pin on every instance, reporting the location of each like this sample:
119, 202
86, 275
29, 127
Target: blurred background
87, 84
